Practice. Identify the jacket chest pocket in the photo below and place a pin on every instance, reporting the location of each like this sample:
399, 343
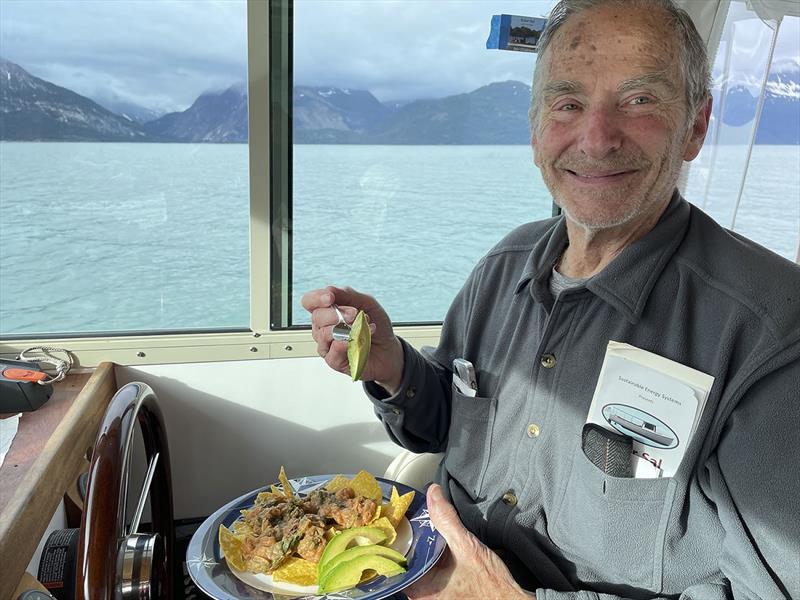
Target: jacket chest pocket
615, 526
469, 440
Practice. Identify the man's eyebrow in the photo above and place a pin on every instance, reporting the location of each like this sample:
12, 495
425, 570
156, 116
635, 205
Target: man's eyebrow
554, 88
646, 81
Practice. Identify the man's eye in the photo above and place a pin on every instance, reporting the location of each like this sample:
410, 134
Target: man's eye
568, 106
641, 100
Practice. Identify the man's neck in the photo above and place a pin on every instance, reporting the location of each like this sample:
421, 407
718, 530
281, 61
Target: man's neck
591, 250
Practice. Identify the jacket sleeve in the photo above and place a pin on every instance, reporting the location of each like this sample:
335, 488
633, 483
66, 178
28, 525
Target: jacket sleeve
753, 481
417, 417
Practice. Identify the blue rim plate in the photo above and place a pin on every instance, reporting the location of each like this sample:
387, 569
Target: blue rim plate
211, 574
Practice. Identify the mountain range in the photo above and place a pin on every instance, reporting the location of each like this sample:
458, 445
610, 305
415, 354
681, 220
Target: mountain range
34, 109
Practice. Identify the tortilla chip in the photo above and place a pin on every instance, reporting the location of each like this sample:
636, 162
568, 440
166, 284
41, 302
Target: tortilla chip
337, 483
386, 526
241, 528
288, 490
276, 491
296, 570
398, 506
231, 546
263, 497
364, 484
378, 512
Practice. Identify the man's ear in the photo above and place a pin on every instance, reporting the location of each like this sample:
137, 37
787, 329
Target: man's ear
697, 134
534, 143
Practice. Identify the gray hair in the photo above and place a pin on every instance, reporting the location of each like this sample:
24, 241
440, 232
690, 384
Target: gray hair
694, 66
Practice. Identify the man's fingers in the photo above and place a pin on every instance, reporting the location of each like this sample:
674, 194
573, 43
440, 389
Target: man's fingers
445, 518
314, 299
349, 297
336, 357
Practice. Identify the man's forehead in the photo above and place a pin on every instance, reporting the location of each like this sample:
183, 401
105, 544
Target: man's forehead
640, 40
616, 24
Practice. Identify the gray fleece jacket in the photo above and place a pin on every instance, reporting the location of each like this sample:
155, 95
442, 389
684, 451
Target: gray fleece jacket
726, 525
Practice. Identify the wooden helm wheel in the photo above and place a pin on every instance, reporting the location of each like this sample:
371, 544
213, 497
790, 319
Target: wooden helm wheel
114, 563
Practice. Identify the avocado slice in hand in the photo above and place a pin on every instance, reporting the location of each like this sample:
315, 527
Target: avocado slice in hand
347, 574
358, 346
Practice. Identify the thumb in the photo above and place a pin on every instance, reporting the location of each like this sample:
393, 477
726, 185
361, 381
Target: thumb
445, 518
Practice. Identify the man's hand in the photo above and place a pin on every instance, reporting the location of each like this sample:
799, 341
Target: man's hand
385, 363
468, 569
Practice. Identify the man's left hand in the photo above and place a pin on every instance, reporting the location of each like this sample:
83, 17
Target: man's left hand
468, 568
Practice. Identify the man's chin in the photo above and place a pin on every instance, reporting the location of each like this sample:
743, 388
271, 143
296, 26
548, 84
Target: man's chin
598, 220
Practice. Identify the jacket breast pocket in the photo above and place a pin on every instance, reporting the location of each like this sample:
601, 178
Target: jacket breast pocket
614, 526
469, 440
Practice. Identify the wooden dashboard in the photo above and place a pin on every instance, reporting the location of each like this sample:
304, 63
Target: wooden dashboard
44, 460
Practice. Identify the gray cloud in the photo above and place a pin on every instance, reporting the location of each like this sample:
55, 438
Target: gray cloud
160, 54
406, 49
163, 53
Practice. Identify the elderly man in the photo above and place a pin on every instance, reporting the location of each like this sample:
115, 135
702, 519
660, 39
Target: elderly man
620, 100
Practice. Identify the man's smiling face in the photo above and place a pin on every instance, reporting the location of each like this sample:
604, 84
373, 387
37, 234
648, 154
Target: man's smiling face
612, 130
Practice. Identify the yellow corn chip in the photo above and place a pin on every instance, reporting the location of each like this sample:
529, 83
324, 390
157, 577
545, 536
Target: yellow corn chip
264, 496
365, 484
288, 490
378, 511
241, 528
296, 570
231, 545
337, 483
399, 506
386, 526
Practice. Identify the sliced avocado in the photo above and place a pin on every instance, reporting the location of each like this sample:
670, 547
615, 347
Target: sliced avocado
351, 553
340, 542
358, 346
348, 573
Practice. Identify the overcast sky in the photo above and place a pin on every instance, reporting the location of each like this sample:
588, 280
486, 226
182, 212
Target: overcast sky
162, 54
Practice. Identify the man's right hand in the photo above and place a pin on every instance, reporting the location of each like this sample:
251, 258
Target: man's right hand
385, 363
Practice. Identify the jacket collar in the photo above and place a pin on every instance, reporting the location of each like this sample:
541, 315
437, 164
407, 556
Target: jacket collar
626, 282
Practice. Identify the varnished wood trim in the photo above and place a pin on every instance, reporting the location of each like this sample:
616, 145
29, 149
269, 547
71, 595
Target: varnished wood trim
24, 519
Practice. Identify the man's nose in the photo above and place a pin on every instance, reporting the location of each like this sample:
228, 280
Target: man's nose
602, 134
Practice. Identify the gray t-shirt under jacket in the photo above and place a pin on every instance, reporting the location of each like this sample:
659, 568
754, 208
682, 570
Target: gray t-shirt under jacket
726, 524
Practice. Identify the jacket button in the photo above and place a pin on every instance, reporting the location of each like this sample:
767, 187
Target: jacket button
510, 499
533, 430
411, 392
548, 361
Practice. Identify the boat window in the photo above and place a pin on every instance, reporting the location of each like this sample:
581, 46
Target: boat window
124, 191
391, 152
409, 150
747, 176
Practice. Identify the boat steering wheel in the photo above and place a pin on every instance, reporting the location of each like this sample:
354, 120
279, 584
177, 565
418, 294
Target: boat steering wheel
115, 561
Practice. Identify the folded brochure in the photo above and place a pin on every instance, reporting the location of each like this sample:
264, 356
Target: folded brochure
655, 401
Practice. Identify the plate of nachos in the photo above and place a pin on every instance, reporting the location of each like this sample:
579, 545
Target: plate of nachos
317, 537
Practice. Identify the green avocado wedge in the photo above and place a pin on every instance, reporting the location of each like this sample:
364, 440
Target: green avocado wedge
356, 551
347, 574
340, 542
358, 346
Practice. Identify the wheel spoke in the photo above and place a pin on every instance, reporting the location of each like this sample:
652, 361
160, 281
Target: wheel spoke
137, 516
